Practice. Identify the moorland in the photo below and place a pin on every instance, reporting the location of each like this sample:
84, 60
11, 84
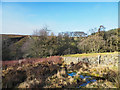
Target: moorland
66, 60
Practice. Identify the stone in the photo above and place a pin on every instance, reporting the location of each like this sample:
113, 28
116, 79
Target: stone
71, 80
69, 77
84, 65
24, 85
63, 72
65, 83
78, 73
104, 59
58, 74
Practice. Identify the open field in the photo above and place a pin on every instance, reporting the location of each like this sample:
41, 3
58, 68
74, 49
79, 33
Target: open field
90, 54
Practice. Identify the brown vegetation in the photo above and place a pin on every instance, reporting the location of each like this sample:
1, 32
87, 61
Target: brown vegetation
38, 69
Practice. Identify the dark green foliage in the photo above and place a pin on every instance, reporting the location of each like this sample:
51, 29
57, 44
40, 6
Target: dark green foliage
11, 47
103, 41
92, 44
41, 44
5, 48
66, 45
44, 46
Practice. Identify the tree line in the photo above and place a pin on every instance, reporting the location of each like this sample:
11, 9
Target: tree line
43, 44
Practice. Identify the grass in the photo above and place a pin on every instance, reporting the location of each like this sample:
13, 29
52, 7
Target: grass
90, 54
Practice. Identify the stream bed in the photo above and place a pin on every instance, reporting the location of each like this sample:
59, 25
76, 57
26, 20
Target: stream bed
83, 77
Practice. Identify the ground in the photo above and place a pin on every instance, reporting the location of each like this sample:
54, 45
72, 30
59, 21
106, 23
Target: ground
53, 72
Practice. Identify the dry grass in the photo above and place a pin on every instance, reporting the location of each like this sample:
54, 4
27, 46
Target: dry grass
109, 72
90, 54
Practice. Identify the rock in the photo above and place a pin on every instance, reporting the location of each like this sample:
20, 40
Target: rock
105, 59
69, 77
78, 73
85, 60
19, 68
71, 80
63, 72
65, 83
84, 65
58, 74
24, 85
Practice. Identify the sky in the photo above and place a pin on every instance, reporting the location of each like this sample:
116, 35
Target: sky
25, 17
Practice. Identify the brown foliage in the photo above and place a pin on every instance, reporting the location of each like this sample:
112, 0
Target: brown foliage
55, 59
13, 78
38, 69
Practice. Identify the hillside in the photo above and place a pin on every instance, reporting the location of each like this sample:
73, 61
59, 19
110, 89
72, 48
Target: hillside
26, 46
54, 72
61, 61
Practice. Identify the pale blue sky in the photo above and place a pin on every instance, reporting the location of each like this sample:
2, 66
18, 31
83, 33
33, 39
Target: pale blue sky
60, 0
24, 17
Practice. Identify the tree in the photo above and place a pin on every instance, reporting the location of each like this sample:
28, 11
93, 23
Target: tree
40, 45
5, 48
93, 31
101, 28
66, 44
92, 44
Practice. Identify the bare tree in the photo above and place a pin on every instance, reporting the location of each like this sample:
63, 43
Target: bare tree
93, 30
101, 28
